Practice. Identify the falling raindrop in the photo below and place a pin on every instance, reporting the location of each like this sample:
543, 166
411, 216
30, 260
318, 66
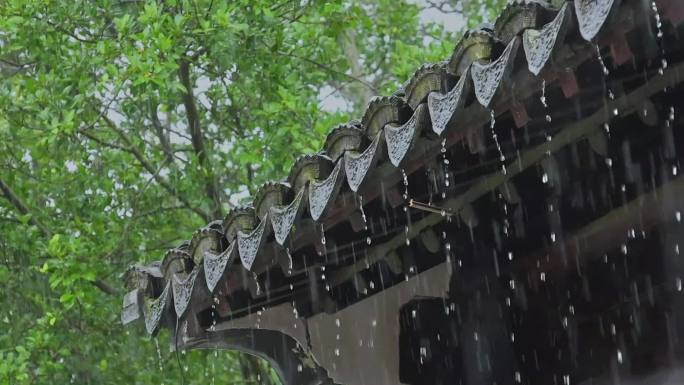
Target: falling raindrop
543, 95
258, 286
619, 356
363, 213
289, 258
368, 240
159, 356
502, 158
606, 72
678, 284
545, 178
678, 216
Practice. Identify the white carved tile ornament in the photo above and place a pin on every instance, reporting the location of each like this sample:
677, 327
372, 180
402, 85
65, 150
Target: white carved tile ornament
539, 43
283, 217
320, 192
154, 309
399, 138
487, 77
182, 291
250, 243
591, 15
356, 165
215, 266
443, 106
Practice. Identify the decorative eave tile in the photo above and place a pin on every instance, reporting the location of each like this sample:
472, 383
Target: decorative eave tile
250, 243
488, 77
215, 266
539, 43
399, 139
322, 192
443, 106
356, 165
284, 217
154, 310
182, 291
592, 15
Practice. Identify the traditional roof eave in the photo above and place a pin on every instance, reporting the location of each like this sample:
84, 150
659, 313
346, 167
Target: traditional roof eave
432, 103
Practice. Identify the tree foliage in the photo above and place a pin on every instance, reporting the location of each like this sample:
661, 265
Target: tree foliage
125, 125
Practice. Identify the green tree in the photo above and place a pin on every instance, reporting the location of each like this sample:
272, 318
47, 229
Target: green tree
125, 125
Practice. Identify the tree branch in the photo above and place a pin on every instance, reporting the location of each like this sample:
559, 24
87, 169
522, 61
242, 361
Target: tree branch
195, 129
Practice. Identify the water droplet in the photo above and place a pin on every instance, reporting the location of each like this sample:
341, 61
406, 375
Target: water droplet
619, 356
600, 58
368, 240
545, 178
678, 216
